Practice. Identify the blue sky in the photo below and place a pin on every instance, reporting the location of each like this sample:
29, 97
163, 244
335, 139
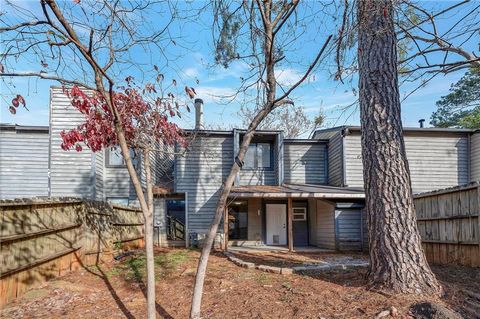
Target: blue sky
194, 60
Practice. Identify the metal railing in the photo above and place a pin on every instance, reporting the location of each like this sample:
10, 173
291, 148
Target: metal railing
175, 229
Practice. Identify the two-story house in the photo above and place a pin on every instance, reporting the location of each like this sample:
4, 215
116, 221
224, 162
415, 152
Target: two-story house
292, 192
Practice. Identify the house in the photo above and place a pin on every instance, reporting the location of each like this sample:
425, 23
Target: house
292, 192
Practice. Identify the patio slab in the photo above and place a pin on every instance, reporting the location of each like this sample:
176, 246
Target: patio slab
277, 249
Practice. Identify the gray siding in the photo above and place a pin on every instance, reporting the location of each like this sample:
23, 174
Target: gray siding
258, 176
475, 157
305, 163
348, 226
325, 225
200, 173
436, 161
23, 163
100, 175
70, 171
335, 160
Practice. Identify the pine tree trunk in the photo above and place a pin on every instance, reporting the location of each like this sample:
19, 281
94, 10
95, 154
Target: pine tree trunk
397, 260
148, 217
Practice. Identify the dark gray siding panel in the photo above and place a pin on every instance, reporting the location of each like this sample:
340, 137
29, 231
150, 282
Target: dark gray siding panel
335, 160
71, 171
258, 177
200, 173
23, 164
305, 163
475, 157
435, 161
348, 226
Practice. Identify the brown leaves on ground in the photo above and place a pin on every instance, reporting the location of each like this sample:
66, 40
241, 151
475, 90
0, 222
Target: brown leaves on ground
116, 290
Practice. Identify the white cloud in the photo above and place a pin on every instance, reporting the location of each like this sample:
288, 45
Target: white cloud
288, 76
191, 72
215, 94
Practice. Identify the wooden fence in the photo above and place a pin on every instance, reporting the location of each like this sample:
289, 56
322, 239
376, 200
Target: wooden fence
449, 223
43, 238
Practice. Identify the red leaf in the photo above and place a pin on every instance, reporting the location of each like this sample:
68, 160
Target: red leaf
12, 110
21, 100
15, 102
78, 148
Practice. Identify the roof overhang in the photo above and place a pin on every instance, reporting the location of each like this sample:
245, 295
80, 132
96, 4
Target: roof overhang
297, 191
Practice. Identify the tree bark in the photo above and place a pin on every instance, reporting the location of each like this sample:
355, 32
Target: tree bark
397, 260
148, 220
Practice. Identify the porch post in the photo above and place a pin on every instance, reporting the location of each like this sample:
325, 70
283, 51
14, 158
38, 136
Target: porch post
290, 224
225, 228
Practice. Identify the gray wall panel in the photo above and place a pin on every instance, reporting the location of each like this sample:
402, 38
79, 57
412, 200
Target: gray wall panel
475, 157
435, 161
23, 163
200, 173
335, 160
305, 163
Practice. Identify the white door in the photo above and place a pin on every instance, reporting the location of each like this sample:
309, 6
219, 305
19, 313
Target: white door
276, 220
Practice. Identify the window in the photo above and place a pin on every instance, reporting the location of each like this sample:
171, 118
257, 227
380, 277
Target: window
259, 155
299, 213
115, 157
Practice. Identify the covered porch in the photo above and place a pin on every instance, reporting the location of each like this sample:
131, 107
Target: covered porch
293, 217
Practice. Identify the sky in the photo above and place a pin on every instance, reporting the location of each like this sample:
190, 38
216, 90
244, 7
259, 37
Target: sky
192, 60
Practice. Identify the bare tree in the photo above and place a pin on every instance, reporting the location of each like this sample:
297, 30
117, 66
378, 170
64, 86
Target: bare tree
93, 45
265, 21
292, 120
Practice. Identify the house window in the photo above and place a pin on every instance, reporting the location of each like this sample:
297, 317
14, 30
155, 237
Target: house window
115, 157
238, 221
259, 155
299, 214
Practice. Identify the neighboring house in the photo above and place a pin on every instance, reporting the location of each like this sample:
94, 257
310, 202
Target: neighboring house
294, 192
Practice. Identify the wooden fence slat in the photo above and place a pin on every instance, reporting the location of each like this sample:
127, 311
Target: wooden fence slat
449, 223
41, 239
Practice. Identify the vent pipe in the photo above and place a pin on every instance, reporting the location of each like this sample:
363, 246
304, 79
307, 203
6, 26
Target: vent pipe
421, 121
199, 114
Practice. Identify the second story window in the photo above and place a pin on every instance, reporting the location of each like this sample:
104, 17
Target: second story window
259, 155
115, 157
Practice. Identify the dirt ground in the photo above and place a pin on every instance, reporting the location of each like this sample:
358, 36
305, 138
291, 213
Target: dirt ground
115, 290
